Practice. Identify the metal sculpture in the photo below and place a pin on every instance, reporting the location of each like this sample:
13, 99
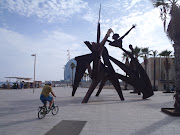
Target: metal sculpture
101, 72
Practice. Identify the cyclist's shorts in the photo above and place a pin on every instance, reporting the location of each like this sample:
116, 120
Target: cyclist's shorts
44, 99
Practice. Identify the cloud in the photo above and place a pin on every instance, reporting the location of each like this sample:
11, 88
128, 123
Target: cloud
90, 16
133, 3
52, 45
51, 10
148, 33
51, 50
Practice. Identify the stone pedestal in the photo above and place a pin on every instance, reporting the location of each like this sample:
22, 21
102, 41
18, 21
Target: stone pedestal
170, 111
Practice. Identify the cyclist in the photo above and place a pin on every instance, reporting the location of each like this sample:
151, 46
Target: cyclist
44, 97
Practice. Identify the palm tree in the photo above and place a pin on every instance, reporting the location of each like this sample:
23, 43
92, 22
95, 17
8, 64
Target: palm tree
173, 33
72, 67
145, 53
154, 54
136, 52
166, 54
126, 58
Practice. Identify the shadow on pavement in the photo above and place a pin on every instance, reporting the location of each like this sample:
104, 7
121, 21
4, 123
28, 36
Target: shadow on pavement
155, 126
18, 122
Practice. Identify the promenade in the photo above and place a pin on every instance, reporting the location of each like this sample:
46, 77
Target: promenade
103, 115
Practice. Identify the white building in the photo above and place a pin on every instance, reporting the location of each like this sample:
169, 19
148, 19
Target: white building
68, 71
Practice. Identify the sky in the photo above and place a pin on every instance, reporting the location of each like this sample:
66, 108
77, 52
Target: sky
48, 28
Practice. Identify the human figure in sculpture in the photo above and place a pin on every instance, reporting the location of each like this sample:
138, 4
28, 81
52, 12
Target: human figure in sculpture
118, 40
97, 49
99, 46
134, 68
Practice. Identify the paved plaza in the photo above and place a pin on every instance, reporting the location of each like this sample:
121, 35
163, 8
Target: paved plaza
103, 115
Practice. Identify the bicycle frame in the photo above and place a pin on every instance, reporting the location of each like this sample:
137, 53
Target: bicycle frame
47, 108
43, 110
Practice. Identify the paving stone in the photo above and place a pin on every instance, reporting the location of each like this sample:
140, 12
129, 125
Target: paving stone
105, 115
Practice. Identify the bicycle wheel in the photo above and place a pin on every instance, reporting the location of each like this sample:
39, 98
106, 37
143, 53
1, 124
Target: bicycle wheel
55, 110
41, 112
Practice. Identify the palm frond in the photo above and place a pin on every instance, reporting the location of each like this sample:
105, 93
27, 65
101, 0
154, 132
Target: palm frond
73, 65
145, 50
125, 56
171, 8
158, 3
164, 10
154, 53
137, 51
165, 53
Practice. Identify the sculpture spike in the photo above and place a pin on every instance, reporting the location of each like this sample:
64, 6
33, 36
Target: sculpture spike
98, 27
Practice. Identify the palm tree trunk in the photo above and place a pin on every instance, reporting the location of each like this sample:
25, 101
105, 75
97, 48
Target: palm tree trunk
167, 67
167, 89
154, 74
125, 86
145, 63
146, 68
177, 76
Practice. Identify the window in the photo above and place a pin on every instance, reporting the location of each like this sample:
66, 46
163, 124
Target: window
164, 86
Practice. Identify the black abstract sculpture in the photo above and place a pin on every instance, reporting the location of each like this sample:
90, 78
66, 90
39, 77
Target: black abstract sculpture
101, 72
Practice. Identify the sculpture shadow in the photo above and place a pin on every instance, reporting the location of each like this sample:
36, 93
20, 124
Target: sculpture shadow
155, 126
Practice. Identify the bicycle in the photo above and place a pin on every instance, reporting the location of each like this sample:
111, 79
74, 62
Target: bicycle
43, 110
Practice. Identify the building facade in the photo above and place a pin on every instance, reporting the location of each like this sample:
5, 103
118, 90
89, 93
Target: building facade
69, 74
159, 73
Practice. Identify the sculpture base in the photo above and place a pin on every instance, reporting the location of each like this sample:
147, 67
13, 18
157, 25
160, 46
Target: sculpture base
168, 92
124, 89
133, 92
170, 111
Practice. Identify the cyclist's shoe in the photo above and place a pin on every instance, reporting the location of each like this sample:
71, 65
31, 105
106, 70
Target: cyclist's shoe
43, 111
50, 108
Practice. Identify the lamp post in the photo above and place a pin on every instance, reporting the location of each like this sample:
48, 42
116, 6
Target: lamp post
34, 70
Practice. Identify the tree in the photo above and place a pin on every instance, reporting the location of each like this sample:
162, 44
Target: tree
136, 52
154, 54
145, 53
72, 67
171, 8
167, 66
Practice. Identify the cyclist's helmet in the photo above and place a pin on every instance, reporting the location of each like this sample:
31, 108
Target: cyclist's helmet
48, 83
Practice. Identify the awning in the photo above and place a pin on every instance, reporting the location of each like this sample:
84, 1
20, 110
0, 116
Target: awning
21, 78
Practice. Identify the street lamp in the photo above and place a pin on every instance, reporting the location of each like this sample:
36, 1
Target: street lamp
34, 70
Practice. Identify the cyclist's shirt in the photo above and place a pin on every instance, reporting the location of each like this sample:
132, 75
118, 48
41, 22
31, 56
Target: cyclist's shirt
46, 90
